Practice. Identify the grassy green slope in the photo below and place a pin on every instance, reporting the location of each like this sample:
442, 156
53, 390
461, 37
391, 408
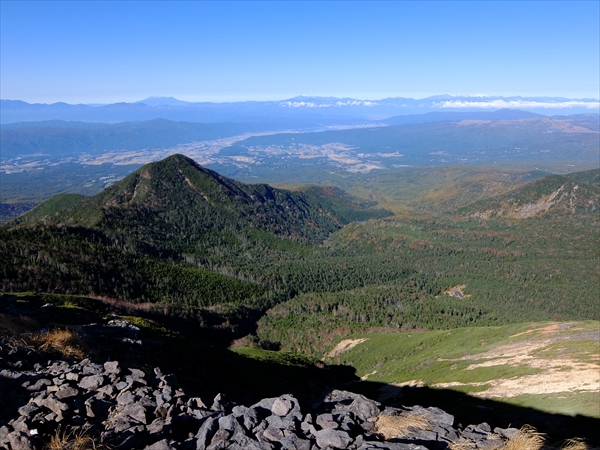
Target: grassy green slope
504, 362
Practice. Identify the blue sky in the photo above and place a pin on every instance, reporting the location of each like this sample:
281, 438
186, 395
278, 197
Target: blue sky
103, 52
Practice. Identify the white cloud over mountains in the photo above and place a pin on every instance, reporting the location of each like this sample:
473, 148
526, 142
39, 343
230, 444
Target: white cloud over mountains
327, 105
517, 104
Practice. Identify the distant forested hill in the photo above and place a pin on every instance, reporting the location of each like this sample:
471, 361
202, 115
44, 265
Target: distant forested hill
574, 194
186, 201
73, 138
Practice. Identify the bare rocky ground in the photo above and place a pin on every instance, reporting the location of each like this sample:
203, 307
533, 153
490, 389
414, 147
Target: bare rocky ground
47, 395
126, 408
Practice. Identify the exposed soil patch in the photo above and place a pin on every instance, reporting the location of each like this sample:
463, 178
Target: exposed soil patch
344, 346
457, 291
562, 370
554, 328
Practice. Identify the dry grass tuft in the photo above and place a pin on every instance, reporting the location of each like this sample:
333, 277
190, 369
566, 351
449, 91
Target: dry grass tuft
575, 444
467, 445
63, 341
21, 333
391, 427
528, 438
72, 440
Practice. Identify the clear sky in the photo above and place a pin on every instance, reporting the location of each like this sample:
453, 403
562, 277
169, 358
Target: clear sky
110, 51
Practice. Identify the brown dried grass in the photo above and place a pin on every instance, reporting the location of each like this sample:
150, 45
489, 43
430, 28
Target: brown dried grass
528, 438
21, 332
72, 440
63, 341
467, 445
391, 427
575, 444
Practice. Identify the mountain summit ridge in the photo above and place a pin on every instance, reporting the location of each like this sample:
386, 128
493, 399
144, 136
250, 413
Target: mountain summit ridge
176, 193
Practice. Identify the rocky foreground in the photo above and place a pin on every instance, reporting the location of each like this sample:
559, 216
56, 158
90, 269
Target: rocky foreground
126, 408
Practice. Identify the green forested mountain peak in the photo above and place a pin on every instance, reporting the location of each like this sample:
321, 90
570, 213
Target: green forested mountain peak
182, 198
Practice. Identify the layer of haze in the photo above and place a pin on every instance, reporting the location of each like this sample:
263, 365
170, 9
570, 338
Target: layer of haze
104, 52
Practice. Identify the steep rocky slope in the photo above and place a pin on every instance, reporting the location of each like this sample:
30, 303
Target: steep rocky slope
551, 196
107, 404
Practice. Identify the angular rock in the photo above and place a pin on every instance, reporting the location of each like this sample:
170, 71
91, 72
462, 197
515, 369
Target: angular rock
364, 408
138, 375
220, 436
92, 369
218, 403
508, 433
156, 427
282, 423
91, 382
118, 424
281, 406
293, 442
160, 445
326, 421
332, 438
122, 385
72, 376
137, 412
39, 384
206, 432
436, 415
264, 404
20, 441
273, 434
125, 398
112, 367
107, 390
490, 444
66, 392
28, 410
4, 432
250, 419
197, 403
53, 404
20, 424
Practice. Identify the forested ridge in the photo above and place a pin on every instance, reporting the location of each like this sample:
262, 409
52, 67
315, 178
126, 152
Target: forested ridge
314, 264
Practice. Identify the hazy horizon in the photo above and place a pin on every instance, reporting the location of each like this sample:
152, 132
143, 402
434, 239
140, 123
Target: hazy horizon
479, 97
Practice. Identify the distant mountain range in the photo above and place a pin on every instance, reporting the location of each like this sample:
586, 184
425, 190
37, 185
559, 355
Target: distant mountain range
301, 111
